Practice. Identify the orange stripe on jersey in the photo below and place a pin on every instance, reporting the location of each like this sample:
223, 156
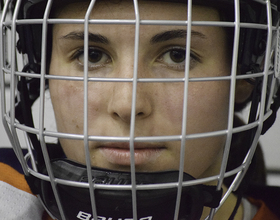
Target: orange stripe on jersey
13, 178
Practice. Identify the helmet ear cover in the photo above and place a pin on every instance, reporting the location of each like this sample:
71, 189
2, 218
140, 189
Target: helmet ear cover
159, 203
30, 35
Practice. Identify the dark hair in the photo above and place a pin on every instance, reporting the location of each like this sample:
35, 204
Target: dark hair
240, 146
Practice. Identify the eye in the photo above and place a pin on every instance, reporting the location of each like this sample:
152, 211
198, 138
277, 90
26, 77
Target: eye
175, 58
96, 58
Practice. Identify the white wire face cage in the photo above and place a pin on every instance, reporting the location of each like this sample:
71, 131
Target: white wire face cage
146, 120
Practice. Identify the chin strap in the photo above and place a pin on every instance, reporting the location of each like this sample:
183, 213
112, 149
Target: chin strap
113, 203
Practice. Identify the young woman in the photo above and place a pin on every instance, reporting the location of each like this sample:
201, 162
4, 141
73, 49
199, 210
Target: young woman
144, 95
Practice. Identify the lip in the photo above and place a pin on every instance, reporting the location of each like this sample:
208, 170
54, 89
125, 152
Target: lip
119, 153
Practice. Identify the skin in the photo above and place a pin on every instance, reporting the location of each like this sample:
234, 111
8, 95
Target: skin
158, 105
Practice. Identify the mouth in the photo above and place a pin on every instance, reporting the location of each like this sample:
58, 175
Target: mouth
119, 153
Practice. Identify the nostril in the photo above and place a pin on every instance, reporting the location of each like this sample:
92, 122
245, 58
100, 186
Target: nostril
127, 117
140, 114
116, 114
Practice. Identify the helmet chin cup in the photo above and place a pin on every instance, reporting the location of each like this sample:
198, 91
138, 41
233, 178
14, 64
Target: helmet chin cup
156, 203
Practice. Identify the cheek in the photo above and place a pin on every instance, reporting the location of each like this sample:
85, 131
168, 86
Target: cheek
68, 103
168, 109
207, 111
208, 106
67, 100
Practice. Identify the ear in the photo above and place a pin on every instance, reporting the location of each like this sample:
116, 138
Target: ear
243, 91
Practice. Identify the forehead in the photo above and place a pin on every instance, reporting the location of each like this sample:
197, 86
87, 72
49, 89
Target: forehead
124, 9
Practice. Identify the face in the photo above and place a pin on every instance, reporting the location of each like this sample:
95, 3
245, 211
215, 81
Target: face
159, 105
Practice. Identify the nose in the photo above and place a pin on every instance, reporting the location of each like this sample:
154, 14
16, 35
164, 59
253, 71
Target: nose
120, 105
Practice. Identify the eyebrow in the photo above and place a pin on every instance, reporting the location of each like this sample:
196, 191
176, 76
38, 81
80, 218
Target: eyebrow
174, 34
161, 37
96, 38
